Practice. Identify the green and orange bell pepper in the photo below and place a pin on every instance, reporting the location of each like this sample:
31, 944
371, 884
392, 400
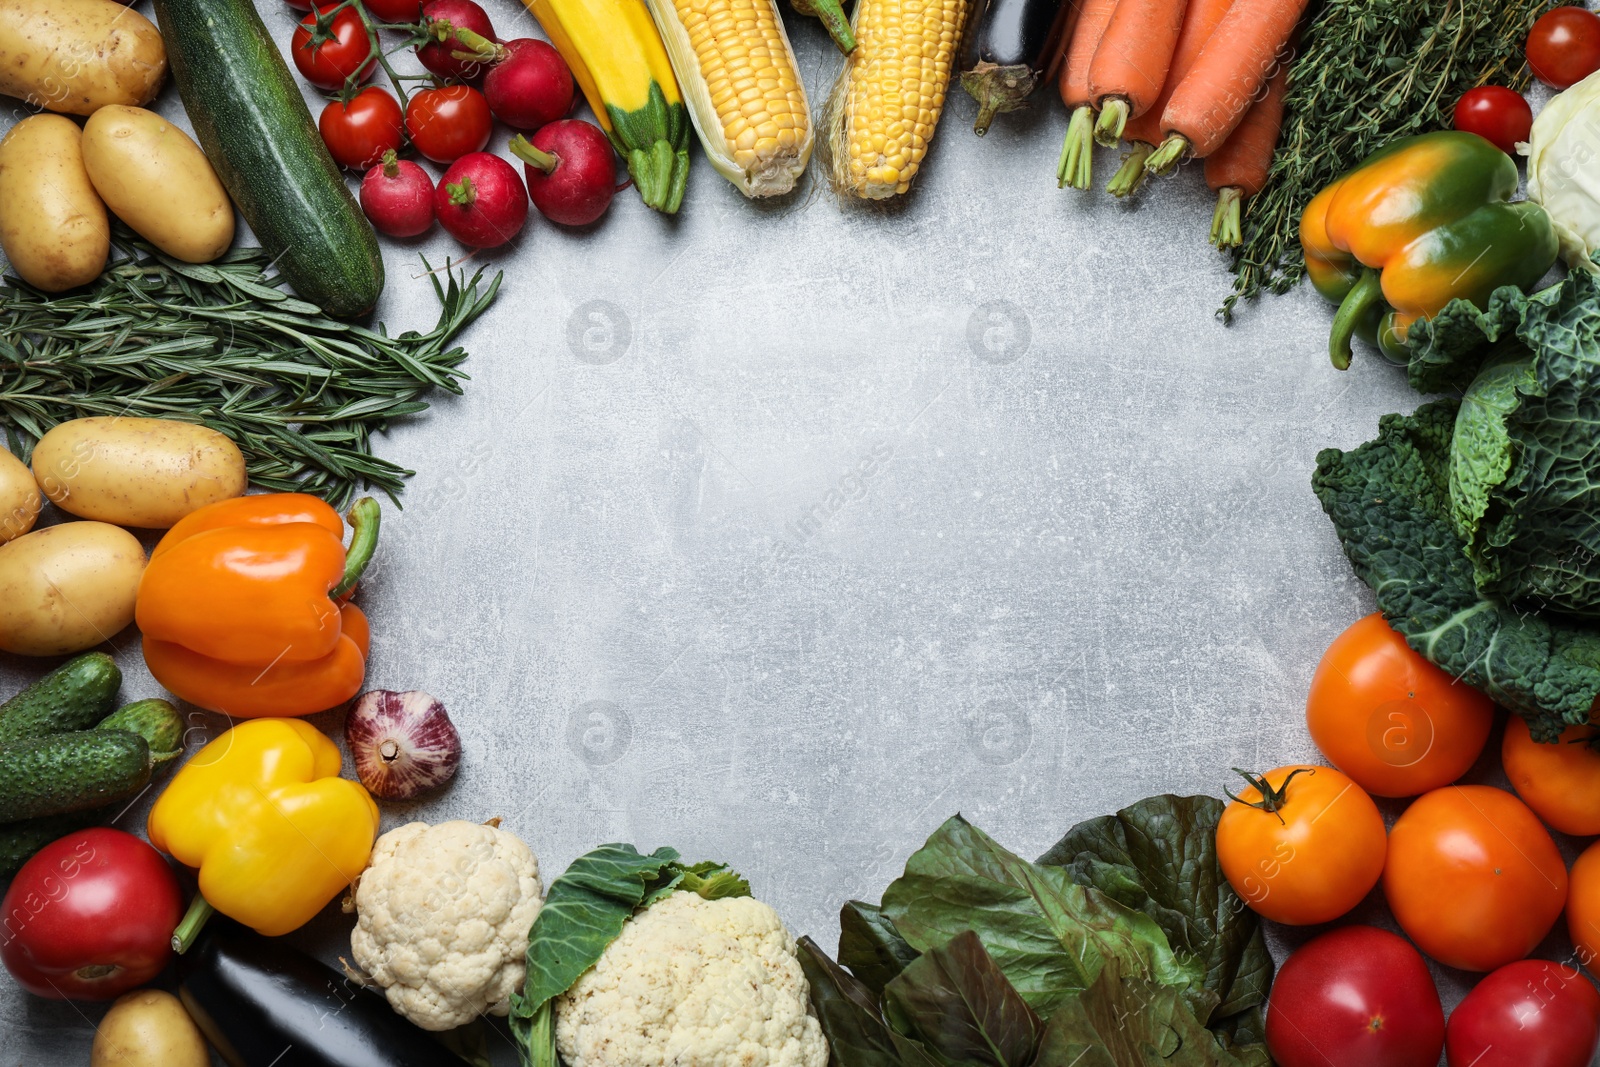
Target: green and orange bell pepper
1419, 223
274, 831
241, 605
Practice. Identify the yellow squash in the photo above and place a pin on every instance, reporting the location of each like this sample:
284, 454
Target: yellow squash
743, 87
619, 62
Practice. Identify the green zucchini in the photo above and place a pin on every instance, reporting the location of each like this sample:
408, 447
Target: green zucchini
20, 840
255, 128
74, 696
157, 721
71, 772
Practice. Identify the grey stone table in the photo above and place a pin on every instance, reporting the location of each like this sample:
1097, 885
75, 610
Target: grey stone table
779, 532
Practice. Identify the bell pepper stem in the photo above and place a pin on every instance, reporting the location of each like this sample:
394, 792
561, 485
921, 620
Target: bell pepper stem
364, 521
194, 919
1357, 303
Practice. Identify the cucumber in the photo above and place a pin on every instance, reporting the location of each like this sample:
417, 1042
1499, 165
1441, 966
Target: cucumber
71, 772
74, 696
20, 840
254, 126
157, 721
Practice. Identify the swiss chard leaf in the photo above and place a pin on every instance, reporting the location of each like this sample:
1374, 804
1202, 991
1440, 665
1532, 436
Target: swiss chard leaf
1389, 501
1158, 856
848, 1011
1049, 935
959, 1006
870, 946
583, 913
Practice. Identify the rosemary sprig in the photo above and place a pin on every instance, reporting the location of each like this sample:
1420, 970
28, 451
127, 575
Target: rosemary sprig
221, 344
1369, 71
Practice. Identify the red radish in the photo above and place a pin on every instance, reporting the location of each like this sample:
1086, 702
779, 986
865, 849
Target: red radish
481, 201
442, 18
528, 83
572, 171
397, 196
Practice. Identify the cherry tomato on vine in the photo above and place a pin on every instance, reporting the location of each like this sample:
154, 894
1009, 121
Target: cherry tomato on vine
1473, 877
1355, 997
1559, 781
448, 122
1532, 1013
394, 10
1392, 721
326, 58
1302, 845
360, 132
1497, 114
1564, 46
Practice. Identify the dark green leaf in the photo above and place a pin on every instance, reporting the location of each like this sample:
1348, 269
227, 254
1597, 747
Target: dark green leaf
870, 946
958, 1004
1158, 856
848, 1011
1049, 935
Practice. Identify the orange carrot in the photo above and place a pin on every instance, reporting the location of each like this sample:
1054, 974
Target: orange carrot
1233, 66
1144, 131
1074, 168
1239, 168
1130, 66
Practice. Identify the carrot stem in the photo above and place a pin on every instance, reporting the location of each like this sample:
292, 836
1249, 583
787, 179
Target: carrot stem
1169, 155
1225, 231
1076, 166
1113, 117
1356, 305
1130, 175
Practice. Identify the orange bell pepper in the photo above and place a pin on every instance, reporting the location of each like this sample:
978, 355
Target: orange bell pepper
241, 609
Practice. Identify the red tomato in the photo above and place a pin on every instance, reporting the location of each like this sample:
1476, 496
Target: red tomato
394, 10
1564, 46
327, 57
1392, 721
1497, 114
1355, 997
1473, 877
90, 916
360, 132
448, 122
1532, 1013
1583, 907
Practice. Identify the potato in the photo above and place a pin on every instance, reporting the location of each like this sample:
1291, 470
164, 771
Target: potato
77, 56
136, 472
19, 498
154, 178
67, 588
148, 1028
53, 226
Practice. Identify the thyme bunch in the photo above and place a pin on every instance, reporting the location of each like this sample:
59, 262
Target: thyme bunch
221, 344
1369, 71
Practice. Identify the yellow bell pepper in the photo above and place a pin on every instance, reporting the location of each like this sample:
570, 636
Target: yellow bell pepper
273, 829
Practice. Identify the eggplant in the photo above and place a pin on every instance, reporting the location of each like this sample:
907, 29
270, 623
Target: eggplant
261, 1003
1012, 46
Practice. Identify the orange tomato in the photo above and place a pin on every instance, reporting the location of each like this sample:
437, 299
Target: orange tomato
1583, 906
1561, 781
1473, 877
1302, 845
1392, 721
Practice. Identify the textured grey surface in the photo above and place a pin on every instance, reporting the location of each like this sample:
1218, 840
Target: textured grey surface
780, 532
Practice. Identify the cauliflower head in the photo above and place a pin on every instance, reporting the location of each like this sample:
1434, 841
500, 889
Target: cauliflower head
443, 919
692, 982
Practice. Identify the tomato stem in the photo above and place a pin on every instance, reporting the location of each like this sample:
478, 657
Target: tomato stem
1272, 800
200, 910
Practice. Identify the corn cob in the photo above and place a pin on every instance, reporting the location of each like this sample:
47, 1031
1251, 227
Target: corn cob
743, 88
619, 62
887, 100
